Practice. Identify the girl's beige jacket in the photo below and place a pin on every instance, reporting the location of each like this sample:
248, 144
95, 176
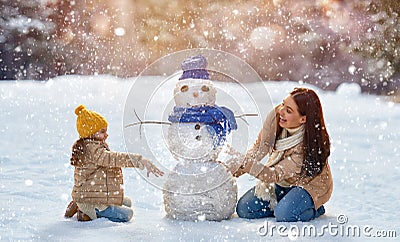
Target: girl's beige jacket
98, 175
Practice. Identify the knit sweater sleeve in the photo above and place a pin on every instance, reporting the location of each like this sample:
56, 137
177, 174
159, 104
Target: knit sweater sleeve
288, 168
103, 157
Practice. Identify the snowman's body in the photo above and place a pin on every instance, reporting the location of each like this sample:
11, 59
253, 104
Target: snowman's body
199, 187
198, 196
191, 141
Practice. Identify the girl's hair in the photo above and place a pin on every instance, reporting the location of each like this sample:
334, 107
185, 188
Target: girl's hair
78, 151
316, 141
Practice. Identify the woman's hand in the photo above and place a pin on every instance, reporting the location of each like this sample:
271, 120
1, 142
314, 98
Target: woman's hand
235, 164
232, 167
238, 172
246, 165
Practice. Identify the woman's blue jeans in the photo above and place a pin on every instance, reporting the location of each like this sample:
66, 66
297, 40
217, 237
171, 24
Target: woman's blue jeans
117, 213
294, 204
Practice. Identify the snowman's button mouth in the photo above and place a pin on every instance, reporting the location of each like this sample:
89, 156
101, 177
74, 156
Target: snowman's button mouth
197, 126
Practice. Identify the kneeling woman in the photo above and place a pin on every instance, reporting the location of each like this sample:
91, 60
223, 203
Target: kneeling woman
296, 180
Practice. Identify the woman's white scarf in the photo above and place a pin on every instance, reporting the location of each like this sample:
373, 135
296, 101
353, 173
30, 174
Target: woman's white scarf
266, 191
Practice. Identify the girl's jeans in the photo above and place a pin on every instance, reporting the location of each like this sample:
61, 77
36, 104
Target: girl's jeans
117, 213
294, 204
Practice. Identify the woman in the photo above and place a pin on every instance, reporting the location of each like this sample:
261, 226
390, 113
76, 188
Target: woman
296, 180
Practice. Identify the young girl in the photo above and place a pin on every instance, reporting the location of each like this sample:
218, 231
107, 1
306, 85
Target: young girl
296, 180
98, 180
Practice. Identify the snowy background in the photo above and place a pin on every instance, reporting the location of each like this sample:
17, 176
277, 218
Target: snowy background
315, 41
38, 129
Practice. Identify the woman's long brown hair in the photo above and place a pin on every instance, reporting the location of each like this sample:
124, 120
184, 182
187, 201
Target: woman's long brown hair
316, 141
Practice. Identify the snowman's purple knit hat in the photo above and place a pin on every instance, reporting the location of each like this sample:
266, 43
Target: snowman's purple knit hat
195, 67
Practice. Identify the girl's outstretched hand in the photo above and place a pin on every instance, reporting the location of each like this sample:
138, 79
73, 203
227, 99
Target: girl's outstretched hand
151, 168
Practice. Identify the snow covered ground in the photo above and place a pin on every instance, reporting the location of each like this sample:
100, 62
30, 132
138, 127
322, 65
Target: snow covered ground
38, 129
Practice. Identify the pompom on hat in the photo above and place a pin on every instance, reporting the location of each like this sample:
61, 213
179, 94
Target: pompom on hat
88, 122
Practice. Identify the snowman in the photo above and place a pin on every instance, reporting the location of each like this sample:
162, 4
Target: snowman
199, 187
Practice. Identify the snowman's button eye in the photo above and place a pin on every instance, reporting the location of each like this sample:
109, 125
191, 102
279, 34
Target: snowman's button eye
184, 88
205, 88
197, 126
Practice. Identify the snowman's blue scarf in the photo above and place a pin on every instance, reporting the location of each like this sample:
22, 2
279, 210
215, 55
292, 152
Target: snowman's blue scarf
220, 119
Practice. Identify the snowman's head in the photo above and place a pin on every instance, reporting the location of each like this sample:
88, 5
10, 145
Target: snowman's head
194, 92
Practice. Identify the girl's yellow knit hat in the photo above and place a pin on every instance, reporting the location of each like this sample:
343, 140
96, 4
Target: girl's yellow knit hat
88, 122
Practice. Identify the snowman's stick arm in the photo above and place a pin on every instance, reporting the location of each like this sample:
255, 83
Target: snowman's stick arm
241, 116
147, 122
246, 115
144, 122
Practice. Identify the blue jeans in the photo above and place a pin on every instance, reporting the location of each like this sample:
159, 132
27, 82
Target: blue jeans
294, 204
117, 213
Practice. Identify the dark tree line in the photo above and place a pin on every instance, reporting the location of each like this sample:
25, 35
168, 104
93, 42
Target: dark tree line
320, 42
